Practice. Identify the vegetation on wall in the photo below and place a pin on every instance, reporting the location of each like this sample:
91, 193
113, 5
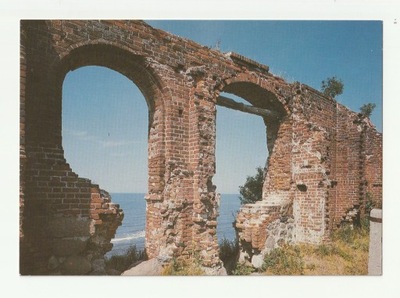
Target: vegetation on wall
332, 87
367, 109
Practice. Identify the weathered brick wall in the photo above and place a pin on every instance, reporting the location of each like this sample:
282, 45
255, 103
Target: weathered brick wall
335, 167
318, 153
311, 150
372, 156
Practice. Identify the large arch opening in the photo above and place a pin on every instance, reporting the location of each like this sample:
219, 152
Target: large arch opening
131, 68
104, 136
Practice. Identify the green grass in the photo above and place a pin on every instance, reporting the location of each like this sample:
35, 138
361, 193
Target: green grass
243, 269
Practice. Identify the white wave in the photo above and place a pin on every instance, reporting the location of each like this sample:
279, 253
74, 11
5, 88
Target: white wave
136, 235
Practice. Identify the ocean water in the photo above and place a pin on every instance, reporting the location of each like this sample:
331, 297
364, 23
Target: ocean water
132, 230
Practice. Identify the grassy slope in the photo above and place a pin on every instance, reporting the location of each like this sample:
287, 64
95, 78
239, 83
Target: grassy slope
347, 254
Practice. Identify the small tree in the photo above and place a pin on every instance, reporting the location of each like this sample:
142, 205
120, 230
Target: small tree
251, 191
367, 109
332, 87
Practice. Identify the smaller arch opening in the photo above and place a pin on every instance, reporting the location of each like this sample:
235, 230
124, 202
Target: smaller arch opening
256, 96
240, 150
255, 139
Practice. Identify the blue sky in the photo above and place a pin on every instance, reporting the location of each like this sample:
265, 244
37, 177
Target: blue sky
105, 115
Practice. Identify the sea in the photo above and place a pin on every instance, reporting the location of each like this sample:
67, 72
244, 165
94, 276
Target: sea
132, 231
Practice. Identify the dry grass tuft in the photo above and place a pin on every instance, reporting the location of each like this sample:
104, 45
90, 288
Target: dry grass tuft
347, 254
183, 267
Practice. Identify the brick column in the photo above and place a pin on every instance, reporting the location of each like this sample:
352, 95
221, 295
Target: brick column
202, 163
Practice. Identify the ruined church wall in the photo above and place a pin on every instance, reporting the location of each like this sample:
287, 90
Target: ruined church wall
180, 186
346, 146
323, 160
373, 167
313, 127
335, 159
65, 220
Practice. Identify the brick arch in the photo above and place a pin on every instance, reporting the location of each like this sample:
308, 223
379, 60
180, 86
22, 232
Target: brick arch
267, 92
134, 67
117, 57
263, 92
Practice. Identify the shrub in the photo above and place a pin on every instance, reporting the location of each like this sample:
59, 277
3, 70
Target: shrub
332, 87
372, 203
284, 261
125, 261
228, 254
349, 234
367, 109
243, 269
251, 191
183, 267
324, 250
345, 233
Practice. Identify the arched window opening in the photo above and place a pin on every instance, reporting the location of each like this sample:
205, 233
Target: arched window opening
240, 150
105, 131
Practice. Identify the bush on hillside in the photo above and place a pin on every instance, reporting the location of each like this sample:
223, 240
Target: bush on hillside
124, 262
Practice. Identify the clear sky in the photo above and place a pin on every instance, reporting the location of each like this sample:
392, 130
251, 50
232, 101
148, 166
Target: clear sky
105, 115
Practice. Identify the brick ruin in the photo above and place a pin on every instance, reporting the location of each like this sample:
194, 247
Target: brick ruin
324, 162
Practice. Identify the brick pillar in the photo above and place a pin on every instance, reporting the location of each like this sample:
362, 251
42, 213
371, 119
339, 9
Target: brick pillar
170, 196
55, 202
202, 163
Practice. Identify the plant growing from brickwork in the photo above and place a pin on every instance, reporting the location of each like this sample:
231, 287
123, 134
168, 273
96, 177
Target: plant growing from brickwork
372, 203
332, 87
367, 109
251, 191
